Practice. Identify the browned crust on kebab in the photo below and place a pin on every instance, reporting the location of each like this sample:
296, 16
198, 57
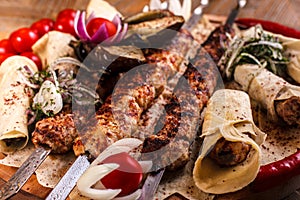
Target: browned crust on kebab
113, 123
57, 133
201, 77
289, 110
162, 64
228, 154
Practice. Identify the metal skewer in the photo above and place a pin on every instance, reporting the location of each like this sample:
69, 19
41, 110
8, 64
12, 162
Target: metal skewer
16, 182
40, 154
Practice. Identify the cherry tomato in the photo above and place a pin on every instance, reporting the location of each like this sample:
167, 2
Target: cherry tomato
23, 39
65, 21
66, 13
127, 177
95, 24
42, 26
4, 56
35, 58
6, 47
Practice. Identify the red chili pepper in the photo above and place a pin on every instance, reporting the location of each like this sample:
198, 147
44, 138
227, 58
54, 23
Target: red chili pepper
276, 173
269, 26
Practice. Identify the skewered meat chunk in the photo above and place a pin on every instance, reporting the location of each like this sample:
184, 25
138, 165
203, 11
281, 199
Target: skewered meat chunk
134, 93
57, 133
170, 145
227, 153
115, 120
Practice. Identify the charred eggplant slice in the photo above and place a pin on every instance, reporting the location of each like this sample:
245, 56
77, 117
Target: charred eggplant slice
147, 16
153, 28
111, 59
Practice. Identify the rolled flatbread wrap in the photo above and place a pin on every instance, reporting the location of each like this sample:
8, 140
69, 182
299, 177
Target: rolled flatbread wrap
15, 99
267, 89
291, 47
53, 45
228, 117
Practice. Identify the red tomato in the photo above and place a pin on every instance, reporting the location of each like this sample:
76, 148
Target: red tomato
66, 13
35, 58
43, 26
23, 39
6, 47
65, 25
65, 21
4, 56
95, 24
127, 177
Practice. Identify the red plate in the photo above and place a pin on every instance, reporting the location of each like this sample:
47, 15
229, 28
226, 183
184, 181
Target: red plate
269, 26
279, 172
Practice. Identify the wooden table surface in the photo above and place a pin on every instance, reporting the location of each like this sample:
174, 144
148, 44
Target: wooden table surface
21, 13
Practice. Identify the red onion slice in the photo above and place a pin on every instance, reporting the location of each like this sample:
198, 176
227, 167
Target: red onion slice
100, 35
80, 26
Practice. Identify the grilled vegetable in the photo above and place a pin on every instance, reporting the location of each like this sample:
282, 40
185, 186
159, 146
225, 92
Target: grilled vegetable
153, 28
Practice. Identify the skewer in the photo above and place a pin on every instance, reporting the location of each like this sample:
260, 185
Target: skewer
15, 190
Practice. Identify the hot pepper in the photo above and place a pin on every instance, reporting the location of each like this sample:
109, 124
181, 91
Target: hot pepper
277, 173
269, 26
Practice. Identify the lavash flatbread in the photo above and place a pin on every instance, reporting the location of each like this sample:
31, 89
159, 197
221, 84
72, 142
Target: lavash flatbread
15, 99
291, 47
53, 45
49, 172
264, 86
228, 115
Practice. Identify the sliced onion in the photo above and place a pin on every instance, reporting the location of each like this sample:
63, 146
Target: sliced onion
96, 172
68, 60
116, 20
91, 176
26, 81
133, 196
80, 26
146, 165
123, 145
48, 98
91, 16
100, 35
122, 34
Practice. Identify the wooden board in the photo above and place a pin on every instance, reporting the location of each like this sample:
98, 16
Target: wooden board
21, 13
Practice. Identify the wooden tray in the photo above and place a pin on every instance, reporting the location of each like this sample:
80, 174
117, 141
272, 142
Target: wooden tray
21, 13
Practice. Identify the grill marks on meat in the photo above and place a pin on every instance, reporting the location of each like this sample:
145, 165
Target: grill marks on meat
118, 116
135, 92
115, 120
170, 145
57, 133
175, 55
